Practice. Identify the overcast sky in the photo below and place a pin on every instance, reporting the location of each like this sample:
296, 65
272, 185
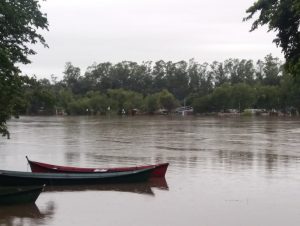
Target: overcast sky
84, 32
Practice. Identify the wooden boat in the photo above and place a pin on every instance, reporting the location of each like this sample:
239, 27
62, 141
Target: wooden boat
18, 195
16, 178
39, 167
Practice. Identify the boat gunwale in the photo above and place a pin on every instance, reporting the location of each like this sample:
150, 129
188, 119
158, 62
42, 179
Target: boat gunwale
70, 176
93, 170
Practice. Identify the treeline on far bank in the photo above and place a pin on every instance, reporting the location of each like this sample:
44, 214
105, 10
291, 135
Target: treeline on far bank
150, 86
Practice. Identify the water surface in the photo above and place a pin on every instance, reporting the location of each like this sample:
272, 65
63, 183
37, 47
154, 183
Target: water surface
223, 171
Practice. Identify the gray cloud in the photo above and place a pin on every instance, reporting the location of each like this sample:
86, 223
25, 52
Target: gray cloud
90, 31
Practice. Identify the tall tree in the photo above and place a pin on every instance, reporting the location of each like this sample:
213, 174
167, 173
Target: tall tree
19, 23
140, 79
259, 73
72, 77
177, 79
218, 72
272, 70
232, 69
100, 76
194, 80
159, 76
246, 68
167, 100
283, 17
206, 79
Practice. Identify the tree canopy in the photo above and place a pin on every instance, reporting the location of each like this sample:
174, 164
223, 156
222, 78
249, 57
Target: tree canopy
283, 17
108, 88
19, 25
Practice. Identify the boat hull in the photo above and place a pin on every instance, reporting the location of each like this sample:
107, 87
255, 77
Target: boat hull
159, 170
19, 195
13, 178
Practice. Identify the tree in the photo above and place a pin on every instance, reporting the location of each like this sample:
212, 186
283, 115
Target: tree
100, 76
159, 76
239, 71
290, 94
124, 99
64, 98
259, 71
19, 22
177, 79
120, 73
167, 100
194, 80
267, 97
221, 98
246, 68
202, 104
242, 96
140, 79
71, 77
272, 71
98, 103
41, 101
218, 72
151, 103
232, 69
206, 80
283, 17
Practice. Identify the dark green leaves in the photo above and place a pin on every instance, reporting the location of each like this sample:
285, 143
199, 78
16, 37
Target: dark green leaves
19, 25
283, 17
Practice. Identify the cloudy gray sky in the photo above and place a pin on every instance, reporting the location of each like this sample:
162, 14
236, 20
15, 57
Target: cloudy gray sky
84, 32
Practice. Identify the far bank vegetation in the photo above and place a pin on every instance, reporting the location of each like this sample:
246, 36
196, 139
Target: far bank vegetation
127, 87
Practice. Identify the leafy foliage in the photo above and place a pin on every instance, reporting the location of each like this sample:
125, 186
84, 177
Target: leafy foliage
283, 17
19, 22
128, 86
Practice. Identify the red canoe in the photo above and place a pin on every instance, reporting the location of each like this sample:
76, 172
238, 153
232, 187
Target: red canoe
39, 167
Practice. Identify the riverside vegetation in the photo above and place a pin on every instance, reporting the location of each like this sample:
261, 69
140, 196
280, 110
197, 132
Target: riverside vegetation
216, 87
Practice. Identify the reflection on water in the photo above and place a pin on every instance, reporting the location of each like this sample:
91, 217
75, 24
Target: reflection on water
223, 171
139, 188
27, 214
30, 214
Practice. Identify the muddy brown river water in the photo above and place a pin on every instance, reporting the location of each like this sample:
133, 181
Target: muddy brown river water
223, 171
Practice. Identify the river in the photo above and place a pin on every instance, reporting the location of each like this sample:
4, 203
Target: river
223, 171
